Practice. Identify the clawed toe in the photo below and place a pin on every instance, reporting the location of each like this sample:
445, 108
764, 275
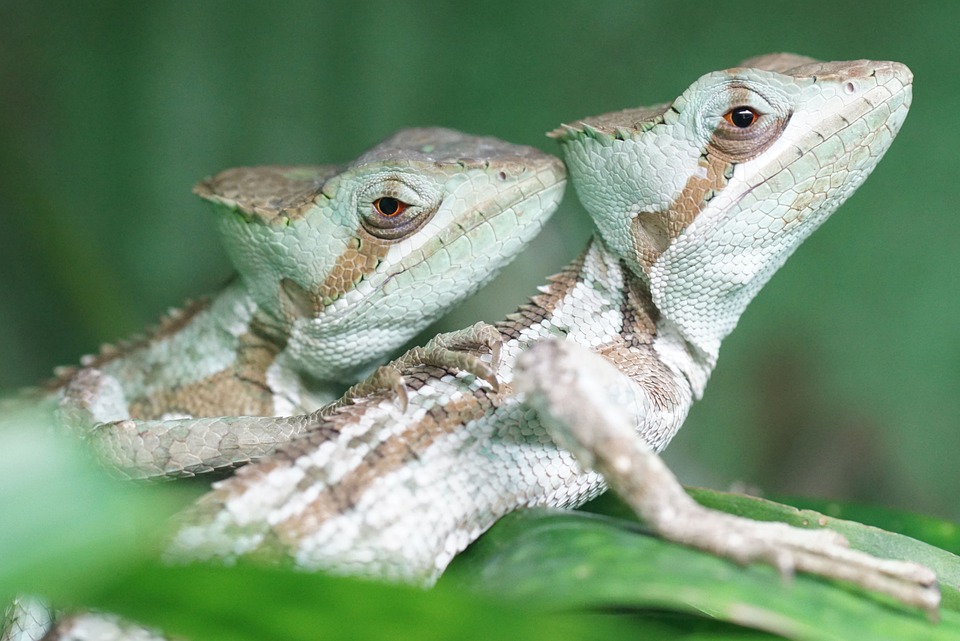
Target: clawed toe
462, 350
821, 552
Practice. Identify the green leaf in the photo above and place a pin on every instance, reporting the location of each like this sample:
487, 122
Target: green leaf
249, 603
84, 540
862, 537
64, 520
575, 560
937, 532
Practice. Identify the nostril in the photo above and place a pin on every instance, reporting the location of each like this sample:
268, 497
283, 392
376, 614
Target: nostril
850, 88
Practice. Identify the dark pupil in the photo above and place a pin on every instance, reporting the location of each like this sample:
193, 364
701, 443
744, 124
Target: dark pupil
389, 206
742, 117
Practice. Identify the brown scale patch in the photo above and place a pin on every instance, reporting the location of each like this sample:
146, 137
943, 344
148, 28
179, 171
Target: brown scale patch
653, 232
384, 459
640, 315
240, 390
359, 259
779, 62
632, 352
210, 504
643, 365
542, 306
616, 124
270, 193
170, 324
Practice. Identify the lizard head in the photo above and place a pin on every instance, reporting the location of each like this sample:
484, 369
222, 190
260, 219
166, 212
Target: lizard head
705, 197
368, 253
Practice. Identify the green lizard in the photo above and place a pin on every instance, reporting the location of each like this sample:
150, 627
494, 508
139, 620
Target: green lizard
697, 203
338, 267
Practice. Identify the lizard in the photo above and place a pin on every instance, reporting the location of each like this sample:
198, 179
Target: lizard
696, 203
330, 261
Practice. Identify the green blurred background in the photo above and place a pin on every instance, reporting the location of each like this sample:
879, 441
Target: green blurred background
842, 379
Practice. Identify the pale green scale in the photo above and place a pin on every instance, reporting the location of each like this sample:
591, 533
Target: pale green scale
671, 157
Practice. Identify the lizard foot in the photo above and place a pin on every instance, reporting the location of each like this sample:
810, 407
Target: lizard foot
581, 399
387, 377
791, 549
461, 350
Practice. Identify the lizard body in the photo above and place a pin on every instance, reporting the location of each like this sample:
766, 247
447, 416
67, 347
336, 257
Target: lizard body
329, 260
697, 203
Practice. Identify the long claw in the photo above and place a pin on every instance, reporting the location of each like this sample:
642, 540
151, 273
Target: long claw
385, 378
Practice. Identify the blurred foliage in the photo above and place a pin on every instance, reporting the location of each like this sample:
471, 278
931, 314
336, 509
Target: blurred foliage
842, 379
83, 541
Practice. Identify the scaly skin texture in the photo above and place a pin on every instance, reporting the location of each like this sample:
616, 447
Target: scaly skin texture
338, 266
697, 203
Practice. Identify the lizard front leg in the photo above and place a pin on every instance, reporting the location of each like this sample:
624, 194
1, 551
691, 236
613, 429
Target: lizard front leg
187, 447
474, 350
579, 397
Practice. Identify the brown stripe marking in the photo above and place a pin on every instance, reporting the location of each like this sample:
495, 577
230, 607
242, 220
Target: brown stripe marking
239, 390
168, 325
358, 260
632, 352
385, 458
361, 257
653, 232
643, 365
640, 314
270, 193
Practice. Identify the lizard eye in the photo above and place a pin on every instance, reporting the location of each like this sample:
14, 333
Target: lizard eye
741, 117
395, 206
389, 207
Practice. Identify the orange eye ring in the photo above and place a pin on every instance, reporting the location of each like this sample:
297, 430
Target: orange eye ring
742, 117
389, 207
